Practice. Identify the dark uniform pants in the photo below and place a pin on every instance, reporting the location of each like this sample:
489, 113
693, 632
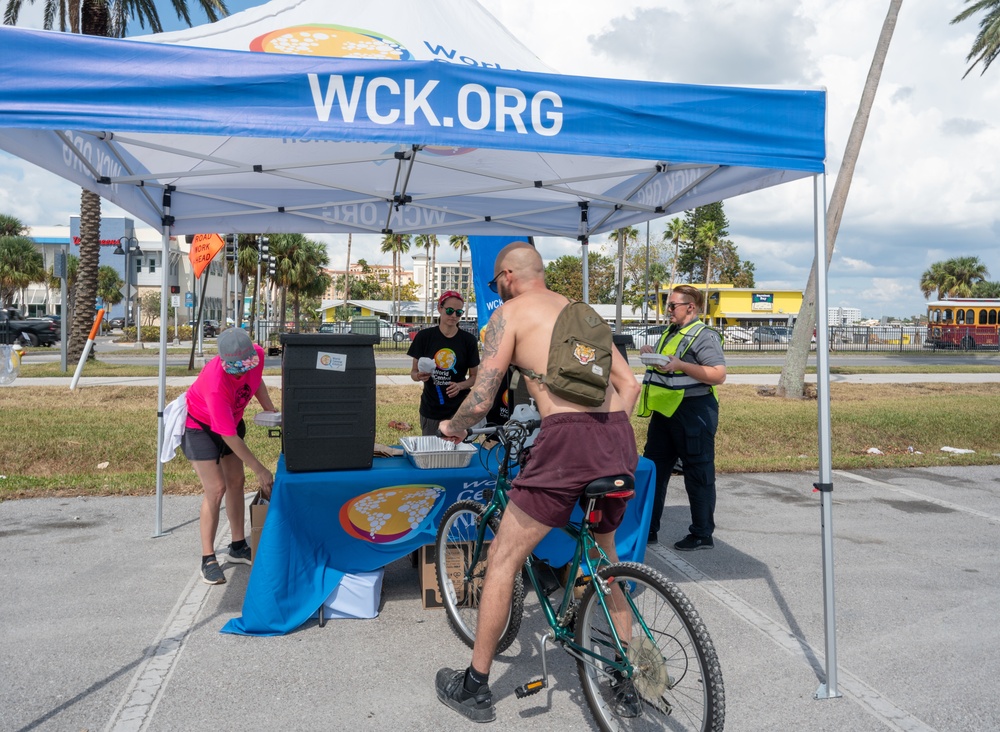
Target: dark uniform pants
689, 435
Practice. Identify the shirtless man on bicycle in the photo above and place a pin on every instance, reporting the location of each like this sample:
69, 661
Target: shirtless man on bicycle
577, 444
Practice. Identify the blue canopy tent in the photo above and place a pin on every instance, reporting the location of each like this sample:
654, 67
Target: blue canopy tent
418, 134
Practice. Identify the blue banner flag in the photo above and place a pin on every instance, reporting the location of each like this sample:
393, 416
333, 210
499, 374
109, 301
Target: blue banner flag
483, 251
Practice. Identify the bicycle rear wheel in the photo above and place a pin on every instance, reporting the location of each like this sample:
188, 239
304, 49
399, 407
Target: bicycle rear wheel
456, 539
676, 682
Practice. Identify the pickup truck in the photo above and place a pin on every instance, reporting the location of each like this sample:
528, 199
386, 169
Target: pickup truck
16, 329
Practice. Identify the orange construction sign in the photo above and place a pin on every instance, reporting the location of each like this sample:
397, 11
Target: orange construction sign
204, 247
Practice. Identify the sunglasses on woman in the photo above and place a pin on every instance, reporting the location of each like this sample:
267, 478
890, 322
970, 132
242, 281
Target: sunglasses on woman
454, 311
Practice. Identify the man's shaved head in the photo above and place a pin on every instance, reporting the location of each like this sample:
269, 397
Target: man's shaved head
520, 257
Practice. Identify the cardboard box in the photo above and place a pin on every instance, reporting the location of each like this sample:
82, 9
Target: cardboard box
429, 591
357, 596
258, 512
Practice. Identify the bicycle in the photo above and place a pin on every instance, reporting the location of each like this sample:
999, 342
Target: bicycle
664, 674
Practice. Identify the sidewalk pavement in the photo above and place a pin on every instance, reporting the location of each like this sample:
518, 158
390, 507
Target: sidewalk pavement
106, 628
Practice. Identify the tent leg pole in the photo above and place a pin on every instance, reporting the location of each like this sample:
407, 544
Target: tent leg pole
162, 390
827, 690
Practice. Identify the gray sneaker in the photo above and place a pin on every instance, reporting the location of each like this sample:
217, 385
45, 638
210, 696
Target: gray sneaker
451, 691
211, 573
239, 556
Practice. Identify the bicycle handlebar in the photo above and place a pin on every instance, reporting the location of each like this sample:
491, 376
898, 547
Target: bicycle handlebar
512, 432
512, 428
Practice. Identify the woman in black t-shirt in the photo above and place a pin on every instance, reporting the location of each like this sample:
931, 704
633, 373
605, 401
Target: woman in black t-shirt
450, 362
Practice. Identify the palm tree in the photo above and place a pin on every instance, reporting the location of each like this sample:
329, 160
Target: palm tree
20, 265
932, 281
246, 266
965, 273
398, 244
285, 249
347, 273
657, 274
461, 243
623, 235
307, 278
708, 237
792, 381
12, 226
427, 242
986, 289
953, 278
107, 18
986, 47
673, 234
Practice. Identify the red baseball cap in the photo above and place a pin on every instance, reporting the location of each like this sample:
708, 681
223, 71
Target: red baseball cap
447, 294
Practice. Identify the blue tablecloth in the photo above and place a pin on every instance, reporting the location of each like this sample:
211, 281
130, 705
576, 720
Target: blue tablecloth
320, 526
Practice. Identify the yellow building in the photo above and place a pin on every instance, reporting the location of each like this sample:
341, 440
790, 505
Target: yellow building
746, 306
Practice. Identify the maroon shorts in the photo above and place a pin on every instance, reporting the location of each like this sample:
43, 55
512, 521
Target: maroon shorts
571, 450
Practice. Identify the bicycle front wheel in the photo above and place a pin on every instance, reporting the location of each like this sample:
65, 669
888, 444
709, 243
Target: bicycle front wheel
676, 682
461, 589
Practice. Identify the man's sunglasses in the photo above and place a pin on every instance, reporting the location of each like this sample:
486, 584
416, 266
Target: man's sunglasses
453, 311
672, 305
492, 284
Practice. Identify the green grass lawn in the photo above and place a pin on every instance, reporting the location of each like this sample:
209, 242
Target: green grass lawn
101, 440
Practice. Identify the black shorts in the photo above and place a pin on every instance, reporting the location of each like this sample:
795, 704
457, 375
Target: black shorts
203, 444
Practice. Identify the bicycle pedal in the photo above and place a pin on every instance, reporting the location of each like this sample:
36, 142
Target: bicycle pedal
532, 687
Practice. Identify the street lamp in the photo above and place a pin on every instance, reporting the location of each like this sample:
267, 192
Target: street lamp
129, 245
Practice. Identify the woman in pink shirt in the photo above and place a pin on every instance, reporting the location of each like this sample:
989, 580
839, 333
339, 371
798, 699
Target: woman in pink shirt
213, 442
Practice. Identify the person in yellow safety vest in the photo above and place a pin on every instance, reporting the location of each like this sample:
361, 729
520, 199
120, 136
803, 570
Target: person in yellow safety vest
681, 401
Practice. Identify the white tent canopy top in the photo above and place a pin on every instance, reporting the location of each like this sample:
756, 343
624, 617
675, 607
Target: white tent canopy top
432, 119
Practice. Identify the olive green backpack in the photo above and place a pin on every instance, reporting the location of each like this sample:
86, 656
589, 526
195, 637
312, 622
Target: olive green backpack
579, 366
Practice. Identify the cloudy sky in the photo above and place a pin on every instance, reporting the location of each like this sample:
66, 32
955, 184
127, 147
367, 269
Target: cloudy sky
926, 187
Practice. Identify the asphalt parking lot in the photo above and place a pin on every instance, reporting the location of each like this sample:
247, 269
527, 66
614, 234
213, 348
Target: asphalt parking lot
107, 628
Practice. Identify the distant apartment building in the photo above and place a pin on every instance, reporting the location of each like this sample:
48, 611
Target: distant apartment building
843, 316
446, 276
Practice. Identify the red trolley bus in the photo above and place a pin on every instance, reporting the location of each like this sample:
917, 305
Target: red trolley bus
965, 323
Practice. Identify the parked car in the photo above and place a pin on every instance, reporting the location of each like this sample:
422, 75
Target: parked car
210, 328
120, 324
16, 329
772, 334
646, 335
333, 328
737, 334
386, 330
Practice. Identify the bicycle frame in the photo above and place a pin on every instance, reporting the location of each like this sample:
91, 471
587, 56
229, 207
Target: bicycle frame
587, 555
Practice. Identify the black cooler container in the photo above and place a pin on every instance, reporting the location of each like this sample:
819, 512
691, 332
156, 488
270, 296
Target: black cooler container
328, 401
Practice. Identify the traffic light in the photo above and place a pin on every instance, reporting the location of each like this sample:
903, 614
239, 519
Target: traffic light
264, 252
175, 289
232, 242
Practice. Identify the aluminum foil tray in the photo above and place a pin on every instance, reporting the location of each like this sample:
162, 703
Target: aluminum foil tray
433, 452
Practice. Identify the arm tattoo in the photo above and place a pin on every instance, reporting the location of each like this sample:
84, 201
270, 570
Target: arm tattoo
480, 399
494, 334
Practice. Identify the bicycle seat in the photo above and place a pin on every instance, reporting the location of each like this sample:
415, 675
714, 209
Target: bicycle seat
618, 486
